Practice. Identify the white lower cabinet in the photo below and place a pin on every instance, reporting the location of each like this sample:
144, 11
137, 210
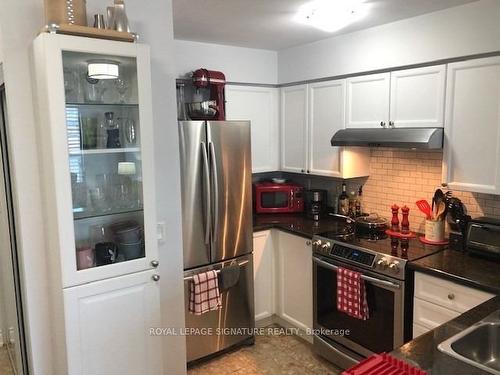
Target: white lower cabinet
437, 301
264, 274
295, 280
108, 326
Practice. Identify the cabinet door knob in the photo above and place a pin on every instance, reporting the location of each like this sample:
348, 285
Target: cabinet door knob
308, 171
308, 243
155, 277
451, 296
302, 170
155, 263
391, 124
382, 124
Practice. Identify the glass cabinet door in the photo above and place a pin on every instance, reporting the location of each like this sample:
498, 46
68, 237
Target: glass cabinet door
103, 134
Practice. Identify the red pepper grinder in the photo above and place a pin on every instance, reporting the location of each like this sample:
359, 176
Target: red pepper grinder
395, 218
405, 224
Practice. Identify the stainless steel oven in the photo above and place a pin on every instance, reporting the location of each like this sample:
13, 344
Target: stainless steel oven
345, 340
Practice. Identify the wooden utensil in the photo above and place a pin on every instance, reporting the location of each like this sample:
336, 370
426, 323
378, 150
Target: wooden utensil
438, 197
440, 210
425, 208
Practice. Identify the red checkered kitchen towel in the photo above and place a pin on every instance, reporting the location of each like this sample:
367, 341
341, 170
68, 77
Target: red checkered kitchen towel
204, 293
351, 294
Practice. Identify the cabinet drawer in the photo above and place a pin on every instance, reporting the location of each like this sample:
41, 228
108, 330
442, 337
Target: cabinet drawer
429, 315
448, 294
419, 330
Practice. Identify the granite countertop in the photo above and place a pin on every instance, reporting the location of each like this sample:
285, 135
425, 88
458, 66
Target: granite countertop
297, 224
462, 268
423, 351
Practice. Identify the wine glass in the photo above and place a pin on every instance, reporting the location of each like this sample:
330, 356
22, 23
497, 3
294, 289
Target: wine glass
122, 87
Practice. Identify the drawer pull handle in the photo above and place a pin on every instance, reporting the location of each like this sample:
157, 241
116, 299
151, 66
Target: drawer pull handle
451, 296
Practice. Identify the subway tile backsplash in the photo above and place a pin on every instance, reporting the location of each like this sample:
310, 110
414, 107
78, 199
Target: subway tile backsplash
396, 176
405, 176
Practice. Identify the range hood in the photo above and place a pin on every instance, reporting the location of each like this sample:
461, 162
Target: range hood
420, 138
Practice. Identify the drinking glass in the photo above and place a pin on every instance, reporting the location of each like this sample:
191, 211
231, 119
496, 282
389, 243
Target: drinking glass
98, 199
122, 87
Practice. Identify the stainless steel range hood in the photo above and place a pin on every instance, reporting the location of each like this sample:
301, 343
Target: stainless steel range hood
420, 138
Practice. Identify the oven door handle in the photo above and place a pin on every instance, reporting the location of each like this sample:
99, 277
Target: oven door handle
364, 277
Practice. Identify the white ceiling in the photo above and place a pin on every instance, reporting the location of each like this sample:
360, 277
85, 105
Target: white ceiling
268, 24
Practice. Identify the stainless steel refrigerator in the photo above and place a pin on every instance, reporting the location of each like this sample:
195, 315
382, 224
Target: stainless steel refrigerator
216, 178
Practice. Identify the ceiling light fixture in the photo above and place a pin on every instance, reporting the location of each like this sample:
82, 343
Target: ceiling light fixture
331, 15
103, 69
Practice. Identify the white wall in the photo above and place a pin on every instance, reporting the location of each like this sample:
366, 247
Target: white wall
151, 19
19, 23
239, 64
469, 29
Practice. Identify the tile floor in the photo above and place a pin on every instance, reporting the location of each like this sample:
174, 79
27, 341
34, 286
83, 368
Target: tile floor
270, 355
5, 368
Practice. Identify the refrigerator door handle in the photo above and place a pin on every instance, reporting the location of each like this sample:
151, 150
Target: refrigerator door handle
208, 199
215, 186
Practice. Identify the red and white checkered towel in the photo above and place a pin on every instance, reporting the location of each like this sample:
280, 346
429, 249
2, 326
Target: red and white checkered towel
351, 294
204, 293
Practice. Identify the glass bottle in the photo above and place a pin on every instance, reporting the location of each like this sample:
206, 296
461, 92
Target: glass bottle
359, 202
112, 131
343, 201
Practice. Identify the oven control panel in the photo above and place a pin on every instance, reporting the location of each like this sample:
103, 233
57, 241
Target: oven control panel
358, 256
381, 263
353, 255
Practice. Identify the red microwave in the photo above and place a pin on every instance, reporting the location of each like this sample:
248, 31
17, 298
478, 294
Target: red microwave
273, 198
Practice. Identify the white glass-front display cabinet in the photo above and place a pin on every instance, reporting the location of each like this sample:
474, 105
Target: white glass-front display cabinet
97, 142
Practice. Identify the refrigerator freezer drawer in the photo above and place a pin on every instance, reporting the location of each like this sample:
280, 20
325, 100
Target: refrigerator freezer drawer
217, 330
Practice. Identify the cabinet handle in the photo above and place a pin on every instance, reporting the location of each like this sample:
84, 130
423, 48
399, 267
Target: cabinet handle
451, 296
155, 263
391, 124
382, 124
155, 277
302, 170
308, 171
308, 243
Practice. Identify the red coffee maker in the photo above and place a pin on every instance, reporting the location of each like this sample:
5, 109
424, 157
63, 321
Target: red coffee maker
214, 108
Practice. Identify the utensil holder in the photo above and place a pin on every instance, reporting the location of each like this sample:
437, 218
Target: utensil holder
434, 230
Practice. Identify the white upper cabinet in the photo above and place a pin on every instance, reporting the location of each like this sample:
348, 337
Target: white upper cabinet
326, 116
404, 98
417, 97
260, 106
472, 126
98, 159
311, 114
294, 128
367, 103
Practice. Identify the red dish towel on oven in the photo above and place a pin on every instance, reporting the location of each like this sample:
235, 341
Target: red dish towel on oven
351, 294
204, 293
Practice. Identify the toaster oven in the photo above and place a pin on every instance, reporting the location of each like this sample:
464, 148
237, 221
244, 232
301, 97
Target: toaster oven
483, 237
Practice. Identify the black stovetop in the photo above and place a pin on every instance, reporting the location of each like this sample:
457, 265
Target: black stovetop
405, 248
